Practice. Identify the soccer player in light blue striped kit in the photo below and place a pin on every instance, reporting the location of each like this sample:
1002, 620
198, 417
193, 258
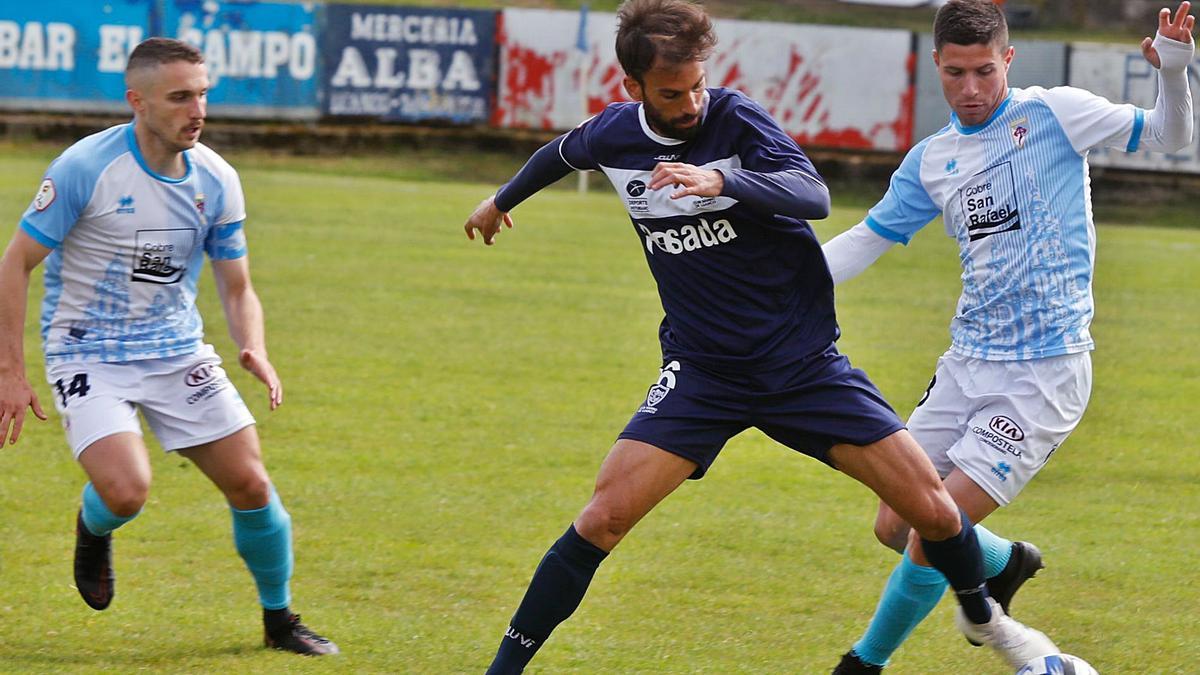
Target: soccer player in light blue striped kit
123, 219
1009, 175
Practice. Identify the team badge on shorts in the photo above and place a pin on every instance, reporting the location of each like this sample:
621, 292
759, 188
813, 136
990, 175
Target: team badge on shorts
659, 390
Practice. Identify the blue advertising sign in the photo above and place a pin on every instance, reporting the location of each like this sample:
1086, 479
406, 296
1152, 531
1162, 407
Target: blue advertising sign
262, 56
66, 55
409, 64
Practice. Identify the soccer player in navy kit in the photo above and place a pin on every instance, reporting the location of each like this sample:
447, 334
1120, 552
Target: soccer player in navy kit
718, 195
123, 219
1010, 176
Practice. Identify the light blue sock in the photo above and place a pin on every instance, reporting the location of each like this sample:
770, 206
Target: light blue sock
996, 551
264, 540
96, 517
910, 594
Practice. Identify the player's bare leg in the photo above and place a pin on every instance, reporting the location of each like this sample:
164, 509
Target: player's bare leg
118, 470
633, 479
897, 470
262, 530
1024, 559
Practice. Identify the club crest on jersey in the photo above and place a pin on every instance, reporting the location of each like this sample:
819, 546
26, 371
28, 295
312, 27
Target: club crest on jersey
45, 195
199, 199
1020, 131
660, 389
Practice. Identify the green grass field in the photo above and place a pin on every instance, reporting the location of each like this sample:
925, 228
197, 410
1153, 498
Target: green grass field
447, 407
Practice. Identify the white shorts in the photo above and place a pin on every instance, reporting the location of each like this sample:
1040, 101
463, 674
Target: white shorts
187, 400
1000, 421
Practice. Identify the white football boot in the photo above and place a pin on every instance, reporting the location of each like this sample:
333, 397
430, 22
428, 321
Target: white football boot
1017, 643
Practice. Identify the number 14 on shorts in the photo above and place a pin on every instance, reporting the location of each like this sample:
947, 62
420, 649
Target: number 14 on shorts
78, 387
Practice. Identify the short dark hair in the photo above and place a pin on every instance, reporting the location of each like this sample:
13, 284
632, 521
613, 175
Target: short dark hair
970, 22
157, 51
669, 32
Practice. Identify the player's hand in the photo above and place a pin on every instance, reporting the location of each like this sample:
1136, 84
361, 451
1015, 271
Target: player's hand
256, 362
692, 180
1178, 28
487, 219
15, 396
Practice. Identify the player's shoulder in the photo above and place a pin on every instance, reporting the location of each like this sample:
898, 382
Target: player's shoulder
87, 158
1055, 97
723, 101
939, 142
615, 114
209, 160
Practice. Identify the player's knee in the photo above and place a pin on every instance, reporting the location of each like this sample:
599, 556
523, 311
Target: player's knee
603, 525
943, 522
892, 534
250, 491
126, 500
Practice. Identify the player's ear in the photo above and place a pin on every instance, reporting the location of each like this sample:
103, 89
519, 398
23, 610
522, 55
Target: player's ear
937, 59
1008, 56
633, 88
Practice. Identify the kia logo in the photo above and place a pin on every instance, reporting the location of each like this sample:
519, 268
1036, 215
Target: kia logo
635, 188
200, 374
1007, 428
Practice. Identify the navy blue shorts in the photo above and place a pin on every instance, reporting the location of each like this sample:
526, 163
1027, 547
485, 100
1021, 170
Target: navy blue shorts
810, 407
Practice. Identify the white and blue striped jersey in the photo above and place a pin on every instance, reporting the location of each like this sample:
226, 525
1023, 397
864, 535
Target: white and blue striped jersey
128, 245
1014, 192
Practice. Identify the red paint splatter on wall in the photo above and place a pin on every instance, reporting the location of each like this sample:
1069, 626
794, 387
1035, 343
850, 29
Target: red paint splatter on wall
528, 93
605, 84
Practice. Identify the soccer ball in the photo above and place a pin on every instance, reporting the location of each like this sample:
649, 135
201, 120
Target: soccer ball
1057, 664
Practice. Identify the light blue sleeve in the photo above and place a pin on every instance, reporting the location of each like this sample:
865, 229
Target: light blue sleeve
906, 207
62, 196
226, 239
226, 242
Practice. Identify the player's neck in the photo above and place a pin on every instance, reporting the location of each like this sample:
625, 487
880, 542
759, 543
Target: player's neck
160, 159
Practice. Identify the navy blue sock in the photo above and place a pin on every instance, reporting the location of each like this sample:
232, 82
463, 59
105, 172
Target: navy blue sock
556, 590
960, 560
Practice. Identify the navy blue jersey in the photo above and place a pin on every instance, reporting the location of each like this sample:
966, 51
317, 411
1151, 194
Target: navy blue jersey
742, 278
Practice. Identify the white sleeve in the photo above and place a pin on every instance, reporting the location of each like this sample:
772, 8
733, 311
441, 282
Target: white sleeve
233, 203
1091, 121
853, 251
1169, 124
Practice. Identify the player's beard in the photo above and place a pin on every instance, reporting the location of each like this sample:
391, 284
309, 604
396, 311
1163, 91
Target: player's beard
664, 127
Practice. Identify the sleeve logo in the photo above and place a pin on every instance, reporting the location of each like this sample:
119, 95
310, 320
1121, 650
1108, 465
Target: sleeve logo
45, 195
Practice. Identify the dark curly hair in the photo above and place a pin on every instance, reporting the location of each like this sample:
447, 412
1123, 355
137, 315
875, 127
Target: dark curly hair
665, 32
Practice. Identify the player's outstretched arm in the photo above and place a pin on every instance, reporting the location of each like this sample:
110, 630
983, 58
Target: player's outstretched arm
1177, 28
244, 314
853, 251
487, 219
1168, 125
543, 168
23, 254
